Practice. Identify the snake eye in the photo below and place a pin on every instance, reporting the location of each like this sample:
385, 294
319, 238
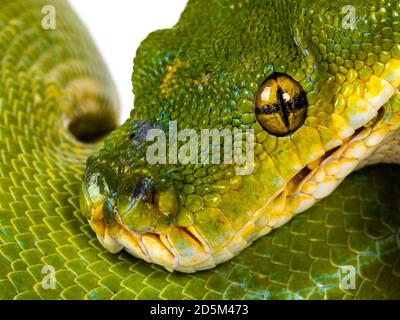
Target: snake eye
281, 105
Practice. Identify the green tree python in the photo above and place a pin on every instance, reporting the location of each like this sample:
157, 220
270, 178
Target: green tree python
318, 83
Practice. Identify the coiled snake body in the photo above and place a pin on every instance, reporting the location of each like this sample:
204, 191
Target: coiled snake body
209, 71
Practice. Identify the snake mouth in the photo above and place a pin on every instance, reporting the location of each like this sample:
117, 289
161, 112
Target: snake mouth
178, 248
320, 178
182, 249
154, 236
185, 249
132, 213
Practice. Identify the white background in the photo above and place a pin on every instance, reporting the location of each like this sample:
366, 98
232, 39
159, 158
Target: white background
118, 27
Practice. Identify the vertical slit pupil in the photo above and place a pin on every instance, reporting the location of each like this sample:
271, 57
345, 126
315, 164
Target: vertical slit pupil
281, 105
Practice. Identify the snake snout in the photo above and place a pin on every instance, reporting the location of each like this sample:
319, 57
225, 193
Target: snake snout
98, 183
139, 213
123, 209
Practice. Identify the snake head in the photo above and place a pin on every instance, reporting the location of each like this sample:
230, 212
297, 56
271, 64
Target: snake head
320, 97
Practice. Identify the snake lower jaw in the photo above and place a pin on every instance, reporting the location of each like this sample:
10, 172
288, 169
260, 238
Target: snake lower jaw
186, 249
320, 179
180, 249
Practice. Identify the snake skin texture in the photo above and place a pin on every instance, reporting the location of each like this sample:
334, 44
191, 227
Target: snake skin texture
53, 88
